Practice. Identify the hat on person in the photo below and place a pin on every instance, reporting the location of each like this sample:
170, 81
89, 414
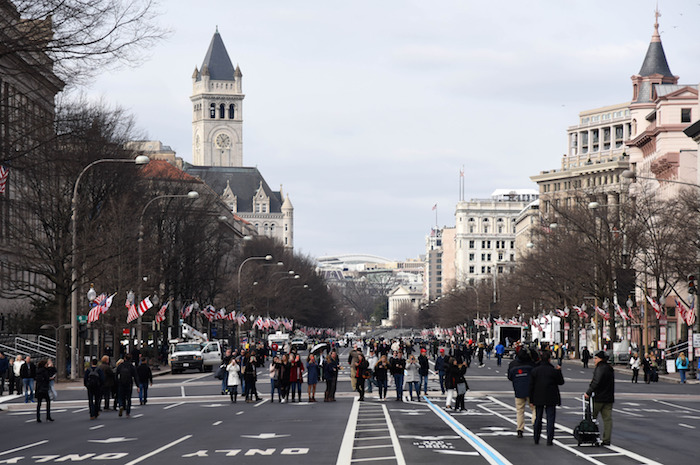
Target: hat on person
442, 350
601, 354
422, 350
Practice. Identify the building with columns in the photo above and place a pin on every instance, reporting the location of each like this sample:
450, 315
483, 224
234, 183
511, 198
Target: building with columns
217, 147
485, 234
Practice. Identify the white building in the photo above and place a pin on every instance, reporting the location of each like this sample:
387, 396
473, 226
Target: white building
485, 234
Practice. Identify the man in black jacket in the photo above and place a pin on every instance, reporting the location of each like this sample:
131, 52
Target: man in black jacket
545, 380
423, 371
126, 376
397, 365
94, 380
602, 387
145, 379
28, 372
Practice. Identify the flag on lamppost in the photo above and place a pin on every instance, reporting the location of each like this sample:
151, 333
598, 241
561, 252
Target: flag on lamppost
132, 312
4, 173
160, 316
145, 305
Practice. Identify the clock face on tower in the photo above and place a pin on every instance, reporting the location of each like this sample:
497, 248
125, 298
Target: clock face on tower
222, 141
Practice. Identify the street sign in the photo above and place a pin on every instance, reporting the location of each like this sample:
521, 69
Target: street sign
82, 319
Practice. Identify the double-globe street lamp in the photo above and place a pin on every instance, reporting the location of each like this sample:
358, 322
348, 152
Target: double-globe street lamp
140, 160
191, 195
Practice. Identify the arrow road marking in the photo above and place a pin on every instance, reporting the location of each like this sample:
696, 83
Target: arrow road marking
266, 436
112, 440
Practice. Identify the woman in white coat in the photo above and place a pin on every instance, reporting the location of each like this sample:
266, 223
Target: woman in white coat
412, 376
234, 378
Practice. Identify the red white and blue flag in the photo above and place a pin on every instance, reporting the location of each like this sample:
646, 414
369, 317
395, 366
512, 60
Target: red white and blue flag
145, 305
655, 306
132, 312
99, 306
621, 312
160, 316
580, 312
209, 312
187, 310
4, 173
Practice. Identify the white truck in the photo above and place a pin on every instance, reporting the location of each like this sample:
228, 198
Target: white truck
194, 351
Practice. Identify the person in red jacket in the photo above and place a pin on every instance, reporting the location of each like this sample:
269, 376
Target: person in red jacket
296, 376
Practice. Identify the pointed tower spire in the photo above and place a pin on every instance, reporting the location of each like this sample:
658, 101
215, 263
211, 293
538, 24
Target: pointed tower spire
654, 70
217, 61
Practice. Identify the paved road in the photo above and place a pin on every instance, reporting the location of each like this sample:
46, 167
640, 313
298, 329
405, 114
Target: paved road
188, 421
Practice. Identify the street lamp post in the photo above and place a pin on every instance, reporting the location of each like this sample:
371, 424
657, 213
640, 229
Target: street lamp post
238, 300
192, 195
140, 160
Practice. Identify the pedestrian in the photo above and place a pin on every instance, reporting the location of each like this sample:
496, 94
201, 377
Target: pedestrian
285, 368
51, 369
480, 354
4, 368
450, 385
381, 371
602, 388
458, 372
352, 361
233, 379
108, 387
43, 379
500, 350
360, 368
545, 380
16, 368
398, 365
146, 379
635, 363
93, 380
519, 374
126, 376
312, 376
440, 368
248, 367
682, 365
11, 380
585, 356
330, 373
646, 367
296, 376
274, 370
412, 376
372, 360
423, 372
224, 363
28, 372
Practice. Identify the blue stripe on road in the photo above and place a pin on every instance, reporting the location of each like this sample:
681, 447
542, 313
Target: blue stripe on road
480, 445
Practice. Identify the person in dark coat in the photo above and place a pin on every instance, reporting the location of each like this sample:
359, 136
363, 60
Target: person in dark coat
108, 387
423, 372
330, 373
519, 374
94, 380
602, 388
145, 378
28, 372
43, 380
4, 366
545, 380
585, 356
360, 367
440, 368
126, 376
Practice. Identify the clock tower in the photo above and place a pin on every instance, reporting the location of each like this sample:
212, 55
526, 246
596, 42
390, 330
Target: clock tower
217, 109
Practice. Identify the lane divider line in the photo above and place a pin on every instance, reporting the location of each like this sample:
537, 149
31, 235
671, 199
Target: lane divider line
159, 450
489, 453
345, 453
24, 447
394, 438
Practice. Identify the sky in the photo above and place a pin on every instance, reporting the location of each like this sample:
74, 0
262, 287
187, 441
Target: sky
365, 111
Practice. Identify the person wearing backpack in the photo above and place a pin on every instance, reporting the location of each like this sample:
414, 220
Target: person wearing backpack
126, 376
93, 381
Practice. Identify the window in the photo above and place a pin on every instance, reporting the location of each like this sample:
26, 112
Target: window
685, 115
471, 244
471, 269
483, 269
471, 257
212, 110
222, 111
483, 257
488, 257
231, 111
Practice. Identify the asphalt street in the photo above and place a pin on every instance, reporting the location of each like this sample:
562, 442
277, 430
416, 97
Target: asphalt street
187, 420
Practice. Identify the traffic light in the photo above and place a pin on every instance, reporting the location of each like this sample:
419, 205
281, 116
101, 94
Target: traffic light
692, 289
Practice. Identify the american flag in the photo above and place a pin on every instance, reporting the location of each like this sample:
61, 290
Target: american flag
580, 312
160, 316
209, 312
187, 310
99, 306
4, 172
133, 313
603, 313
622, 312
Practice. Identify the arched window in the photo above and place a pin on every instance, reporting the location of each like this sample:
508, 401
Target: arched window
212, 110
222, 111
231, 111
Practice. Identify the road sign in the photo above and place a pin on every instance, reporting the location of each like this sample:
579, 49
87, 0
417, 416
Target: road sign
82, 319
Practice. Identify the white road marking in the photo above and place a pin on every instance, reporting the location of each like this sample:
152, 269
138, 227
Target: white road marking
111, 440
373, 459
457, 452
81, 410
159, 450
138, 415
627, 413
217, 423
676, 406
373, 447
394, 438
97, 427
686, 426
265, 436
16, 449
182, 391
260, 403
240, 413
196, 378
173, 405
345, 453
